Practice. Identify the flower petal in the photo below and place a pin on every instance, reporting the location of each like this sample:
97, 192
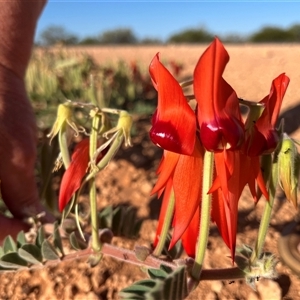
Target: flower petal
263, 138
174, 122
190, 236
187, 184
74, 174
218, 106
225, 199
166, 170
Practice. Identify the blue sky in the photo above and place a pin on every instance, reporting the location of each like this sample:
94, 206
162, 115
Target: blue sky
160, 19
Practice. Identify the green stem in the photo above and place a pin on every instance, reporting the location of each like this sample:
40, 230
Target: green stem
92, 91
166, 226
108, 156
205, 214
266, 217
96, 245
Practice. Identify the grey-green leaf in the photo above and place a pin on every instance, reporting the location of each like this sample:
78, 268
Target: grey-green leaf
21, 239
75, 243
9, 245
48, 251
12, 261
40, 237
57, 238
31, 253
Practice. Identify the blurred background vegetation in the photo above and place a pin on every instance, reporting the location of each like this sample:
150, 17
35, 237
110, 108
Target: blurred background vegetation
269, 34
55, 76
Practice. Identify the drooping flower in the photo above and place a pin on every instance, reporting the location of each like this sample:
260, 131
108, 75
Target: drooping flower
74, 174
218, 111
220, 130
180, 174
174, 122
261, 138
64, 117
261, 134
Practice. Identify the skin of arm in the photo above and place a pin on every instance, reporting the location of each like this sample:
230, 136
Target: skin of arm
18, 133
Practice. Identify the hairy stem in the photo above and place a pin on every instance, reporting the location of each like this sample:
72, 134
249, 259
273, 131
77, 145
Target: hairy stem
265, 220
114, 147
166, 226
205, 215
96, 245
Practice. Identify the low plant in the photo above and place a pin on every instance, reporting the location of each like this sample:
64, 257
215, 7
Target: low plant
210, 155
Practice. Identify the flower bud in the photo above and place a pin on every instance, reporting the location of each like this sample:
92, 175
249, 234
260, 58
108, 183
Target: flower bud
288, 168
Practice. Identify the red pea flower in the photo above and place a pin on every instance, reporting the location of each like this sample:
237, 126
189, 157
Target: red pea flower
236, 169
181, 174
221, 130
174, 122
218, 106
262, 138
74, 174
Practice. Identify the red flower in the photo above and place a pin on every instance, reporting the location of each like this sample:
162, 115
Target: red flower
262, 137
240, 168
218, 106
181, 174
174, 122
221, 130
73, 176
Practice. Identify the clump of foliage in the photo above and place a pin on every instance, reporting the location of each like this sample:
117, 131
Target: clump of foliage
55, 76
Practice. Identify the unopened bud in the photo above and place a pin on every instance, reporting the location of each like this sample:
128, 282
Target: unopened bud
288, 168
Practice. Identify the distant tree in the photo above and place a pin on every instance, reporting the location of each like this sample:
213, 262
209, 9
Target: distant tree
150, 41
89, 40
294, 31
118, 36
57, 34
192, 36
271, 34
234, 39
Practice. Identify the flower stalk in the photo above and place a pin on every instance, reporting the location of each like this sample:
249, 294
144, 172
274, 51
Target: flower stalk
205, 214
96, 244
166, 226
266, 217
